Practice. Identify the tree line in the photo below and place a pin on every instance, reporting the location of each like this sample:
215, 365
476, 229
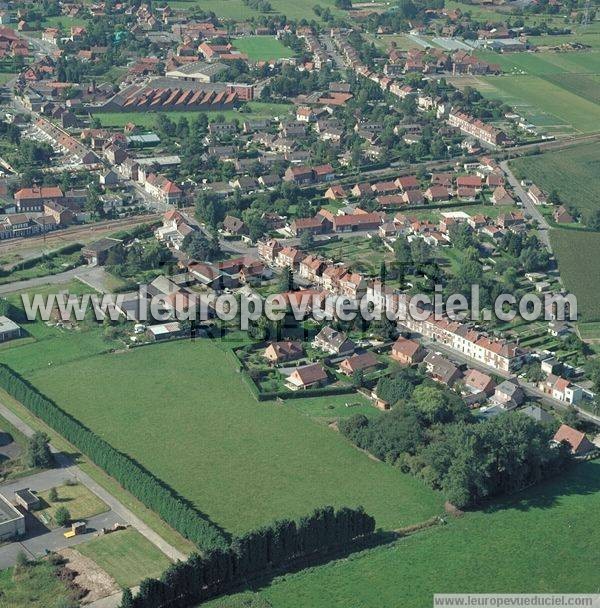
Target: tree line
149, 490
430, 433
265, 550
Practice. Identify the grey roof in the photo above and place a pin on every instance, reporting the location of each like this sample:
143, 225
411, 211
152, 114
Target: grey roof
537, 413
7, 324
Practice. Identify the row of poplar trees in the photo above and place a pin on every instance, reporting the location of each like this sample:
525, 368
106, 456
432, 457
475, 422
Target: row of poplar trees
148, 489
268, 550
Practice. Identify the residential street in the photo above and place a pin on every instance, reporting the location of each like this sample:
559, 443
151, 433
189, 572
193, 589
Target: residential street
529, 206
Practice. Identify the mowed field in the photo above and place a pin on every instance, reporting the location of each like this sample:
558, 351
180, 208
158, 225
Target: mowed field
236, 9
147, 120
261, 48
578, 255
557, 91
573, 173
542, 542
183, 411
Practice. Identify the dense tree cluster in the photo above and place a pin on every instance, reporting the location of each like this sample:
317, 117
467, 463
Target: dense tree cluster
37, 452
149, 490
270, 548
430, 433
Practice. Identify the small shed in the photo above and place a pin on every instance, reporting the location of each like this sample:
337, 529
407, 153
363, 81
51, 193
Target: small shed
27, 499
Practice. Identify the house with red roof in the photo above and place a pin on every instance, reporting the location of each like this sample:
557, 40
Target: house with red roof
576, 440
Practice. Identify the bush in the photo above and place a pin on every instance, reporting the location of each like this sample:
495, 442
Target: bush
62, 517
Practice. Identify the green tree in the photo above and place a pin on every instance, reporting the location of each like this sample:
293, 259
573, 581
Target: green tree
37, 452
53, 495
62, 517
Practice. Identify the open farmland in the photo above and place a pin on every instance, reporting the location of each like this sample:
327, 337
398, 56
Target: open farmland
573, 173
579, 264
261, 48
519, 547
557, 91
241, 462
543, 102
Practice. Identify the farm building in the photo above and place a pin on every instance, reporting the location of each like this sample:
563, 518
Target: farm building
12, 521
9, 330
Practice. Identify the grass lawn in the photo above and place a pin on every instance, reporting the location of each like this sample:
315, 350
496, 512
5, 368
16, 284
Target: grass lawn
147, 120
573, 173
522, 546
34, 587
182, 411
578, 261
126, 555
81, 503
261, 48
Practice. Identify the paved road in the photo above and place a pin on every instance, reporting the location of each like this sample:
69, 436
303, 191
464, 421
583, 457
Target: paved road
123, 514
531, 208
528, 388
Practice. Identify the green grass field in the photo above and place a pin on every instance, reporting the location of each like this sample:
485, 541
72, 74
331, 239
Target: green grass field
35, 587
236, 9
529, 545
183, 412
573, 173
126, 555
545, 103
81, 503
259, 48
579, 262
147, 120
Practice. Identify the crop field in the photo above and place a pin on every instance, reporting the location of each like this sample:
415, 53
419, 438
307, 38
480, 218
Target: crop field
126, 555
545, 103
147, 120
518, 547
261, 48
557, 91
241, 462
573, 173
579, 264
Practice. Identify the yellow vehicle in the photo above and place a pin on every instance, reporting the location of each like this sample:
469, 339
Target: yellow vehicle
77, 527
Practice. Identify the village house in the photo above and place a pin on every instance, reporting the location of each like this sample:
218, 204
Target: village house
33, 199
310, 376
561, 389
311, 268
333, 342
537, 196
173, 230
576, 440
442, 370
163, 189
508, 394
289, 257
562, 216
234, 226
407, 352
500, 196
363, 362
280, 352
478, 382
268, 250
